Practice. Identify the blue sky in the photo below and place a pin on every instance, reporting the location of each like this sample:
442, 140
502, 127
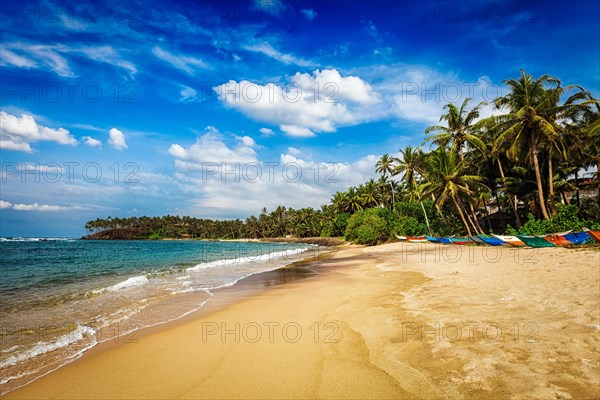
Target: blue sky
216, 109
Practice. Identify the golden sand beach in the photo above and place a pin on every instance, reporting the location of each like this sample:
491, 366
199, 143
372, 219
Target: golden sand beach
392, 321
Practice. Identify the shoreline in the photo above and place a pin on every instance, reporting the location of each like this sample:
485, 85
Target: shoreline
220, 298
393, 313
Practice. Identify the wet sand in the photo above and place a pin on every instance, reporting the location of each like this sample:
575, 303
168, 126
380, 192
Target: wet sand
393, 321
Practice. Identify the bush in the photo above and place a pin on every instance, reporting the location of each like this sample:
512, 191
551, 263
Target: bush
565, 219
155, 236
368, 227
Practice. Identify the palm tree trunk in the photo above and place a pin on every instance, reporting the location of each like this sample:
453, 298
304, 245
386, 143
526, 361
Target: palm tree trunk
468, 215
439, 209
426, 219
462, 215
577, 189
510, 200
479, 229
538, 178
550, 184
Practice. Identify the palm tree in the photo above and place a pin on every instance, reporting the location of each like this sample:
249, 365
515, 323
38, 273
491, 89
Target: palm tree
385, 165
459, 130
410, 164
446, 179
527, 123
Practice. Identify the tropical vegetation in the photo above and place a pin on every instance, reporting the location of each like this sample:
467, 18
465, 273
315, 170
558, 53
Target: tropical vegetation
478, 175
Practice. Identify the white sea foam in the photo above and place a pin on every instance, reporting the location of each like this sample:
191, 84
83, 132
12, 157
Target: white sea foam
248, 259
129, 282
45, 347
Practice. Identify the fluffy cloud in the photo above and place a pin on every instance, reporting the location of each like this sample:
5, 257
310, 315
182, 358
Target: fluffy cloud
5, 204
310, 103
266, 132
90, 141
210, 148
186, 64
116, 139
223, 176
16, 133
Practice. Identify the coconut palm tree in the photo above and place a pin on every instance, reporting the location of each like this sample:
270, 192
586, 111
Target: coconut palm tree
446, 179
458, 131
385, 165
526, 124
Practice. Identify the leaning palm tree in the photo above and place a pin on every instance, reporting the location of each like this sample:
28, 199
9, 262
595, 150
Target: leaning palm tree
458, 131
446, 179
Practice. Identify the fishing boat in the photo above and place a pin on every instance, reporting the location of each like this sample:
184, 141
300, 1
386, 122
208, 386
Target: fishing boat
535, 241
558, 240
462, 241
444, 240
416, 239
477, 240
512, 240
593, 234
492, 241
432, 239
578, 237
400, 237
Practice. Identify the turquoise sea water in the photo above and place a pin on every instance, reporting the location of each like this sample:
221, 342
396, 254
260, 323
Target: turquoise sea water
60, 297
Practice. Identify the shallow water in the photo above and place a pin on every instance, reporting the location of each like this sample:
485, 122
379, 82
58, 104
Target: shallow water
60, 297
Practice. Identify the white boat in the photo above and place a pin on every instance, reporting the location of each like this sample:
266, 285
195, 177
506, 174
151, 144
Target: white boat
512, 240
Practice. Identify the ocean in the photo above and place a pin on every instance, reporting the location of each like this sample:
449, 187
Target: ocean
60, 297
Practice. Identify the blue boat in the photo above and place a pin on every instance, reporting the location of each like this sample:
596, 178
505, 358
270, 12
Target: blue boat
492, 241
578, 237
432, 239
444, 240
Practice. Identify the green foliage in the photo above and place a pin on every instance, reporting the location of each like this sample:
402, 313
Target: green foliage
155, 236
566, 219
409, 226
368, 227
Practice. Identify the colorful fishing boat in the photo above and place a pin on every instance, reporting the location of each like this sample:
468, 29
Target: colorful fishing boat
535, 241
416, 239
512, 240
401, 237
558, 240
444, 240
432, 239
462, 241
492, 241
593, 234
578, 238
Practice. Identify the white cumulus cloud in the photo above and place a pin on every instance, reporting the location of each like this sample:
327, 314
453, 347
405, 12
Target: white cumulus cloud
17, 133
116, 139
90, 141
308, 104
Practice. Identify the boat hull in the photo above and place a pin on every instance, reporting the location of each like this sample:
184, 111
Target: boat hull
536, 241
594, 235
511, 240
